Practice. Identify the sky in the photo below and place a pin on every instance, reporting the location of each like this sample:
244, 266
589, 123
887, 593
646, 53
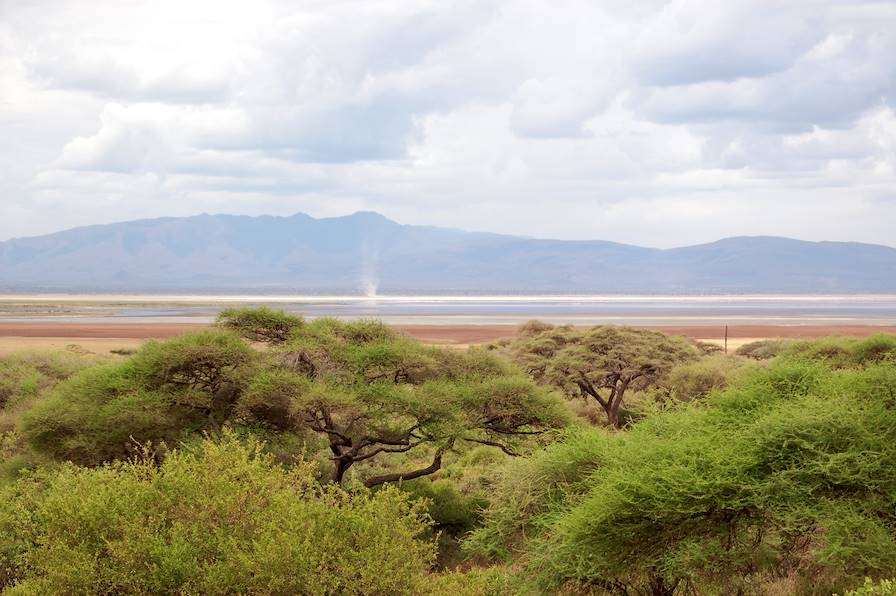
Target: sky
653, 123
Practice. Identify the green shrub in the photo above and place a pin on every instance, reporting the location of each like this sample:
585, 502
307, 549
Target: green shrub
221, 518
694, 380
708, 348
451, 511
260, 324
842, 352
788, 472
764, 349
163, 393
23, 376
491, 581
527, 492
886, 587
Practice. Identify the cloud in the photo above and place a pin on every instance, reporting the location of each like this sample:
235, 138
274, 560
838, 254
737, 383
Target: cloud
696, 42
572, 119
556, 108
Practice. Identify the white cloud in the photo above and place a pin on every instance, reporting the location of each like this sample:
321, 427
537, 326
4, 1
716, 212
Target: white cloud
652, 122
688, 42
551, 108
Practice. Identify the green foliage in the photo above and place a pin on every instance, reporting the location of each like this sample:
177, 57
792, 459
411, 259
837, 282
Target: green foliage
838, 352
204, 362
788, 472
528, 491
763, 349
23, 376
260, 324
841, 352
164, 392
373, 393
764, 478
695, 380
449, 509
221, 518
885, 587
492, 581
367, 391
271, 396
708, 348
599, 363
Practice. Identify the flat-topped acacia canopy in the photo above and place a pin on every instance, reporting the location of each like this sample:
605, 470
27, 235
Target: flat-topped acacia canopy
366, 390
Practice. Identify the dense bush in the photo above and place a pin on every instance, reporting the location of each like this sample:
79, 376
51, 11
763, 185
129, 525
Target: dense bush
24, 378
260, 324
218, 518
527, 492
163, 393
762, 478
788, 473
838, 352
491, 581
886, 587
694, 380
451, 511
841, 352
369, 393
763, 349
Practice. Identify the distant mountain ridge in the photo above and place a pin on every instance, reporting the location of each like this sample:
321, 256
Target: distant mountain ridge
367, 252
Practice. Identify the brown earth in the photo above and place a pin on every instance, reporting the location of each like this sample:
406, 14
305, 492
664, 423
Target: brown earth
104, 337
95, 330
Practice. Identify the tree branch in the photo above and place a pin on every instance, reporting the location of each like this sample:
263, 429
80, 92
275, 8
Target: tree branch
588, 389
500, 446
505, 431
315, 425
379, 450
431, 468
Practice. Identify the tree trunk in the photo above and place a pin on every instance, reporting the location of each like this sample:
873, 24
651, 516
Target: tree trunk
659, 587
614, 403
613, 416
340, 468
221, 408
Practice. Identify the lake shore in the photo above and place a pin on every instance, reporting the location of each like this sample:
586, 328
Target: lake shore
105, 337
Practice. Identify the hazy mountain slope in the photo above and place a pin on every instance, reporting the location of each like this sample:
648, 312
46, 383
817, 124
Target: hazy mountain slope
348, 254
768, 264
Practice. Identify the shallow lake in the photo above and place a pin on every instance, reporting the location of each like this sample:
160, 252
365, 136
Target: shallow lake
470, 310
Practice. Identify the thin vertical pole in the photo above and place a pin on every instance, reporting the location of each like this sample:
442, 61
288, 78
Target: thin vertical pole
726, 339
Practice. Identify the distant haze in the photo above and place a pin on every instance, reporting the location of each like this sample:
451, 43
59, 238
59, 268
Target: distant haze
366, 253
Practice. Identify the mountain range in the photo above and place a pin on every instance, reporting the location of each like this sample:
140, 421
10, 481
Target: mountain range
366, 252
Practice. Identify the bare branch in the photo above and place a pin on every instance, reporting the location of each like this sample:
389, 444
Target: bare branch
435, 466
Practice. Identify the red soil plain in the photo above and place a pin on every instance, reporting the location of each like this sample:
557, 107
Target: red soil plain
442, 334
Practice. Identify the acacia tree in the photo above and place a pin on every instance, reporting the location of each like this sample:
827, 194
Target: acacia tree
599, 363
188, 384
372, 392
261, 324
368, 391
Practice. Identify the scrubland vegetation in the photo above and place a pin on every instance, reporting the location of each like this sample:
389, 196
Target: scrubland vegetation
271, 455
